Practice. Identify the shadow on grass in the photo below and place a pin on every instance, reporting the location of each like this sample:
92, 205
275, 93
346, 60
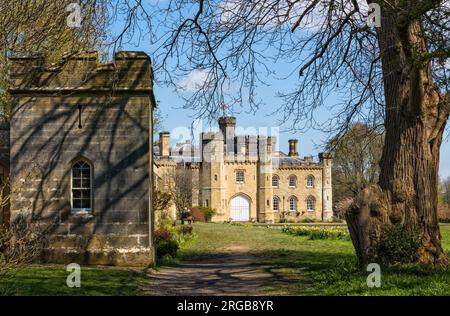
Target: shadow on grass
320, 273
301, 272
51, 281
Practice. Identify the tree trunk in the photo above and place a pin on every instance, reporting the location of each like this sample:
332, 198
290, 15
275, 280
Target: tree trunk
416, 115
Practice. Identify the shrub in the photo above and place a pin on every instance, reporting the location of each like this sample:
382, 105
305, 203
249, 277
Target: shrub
163, 233
318, 233
166, 248
168, 239
185, 230
164, 242
207, 212
396, 245
22, 243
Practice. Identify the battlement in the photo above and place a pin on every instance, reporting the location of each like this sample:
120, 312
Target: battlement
227, 121
81, 72
325, 156
208, 136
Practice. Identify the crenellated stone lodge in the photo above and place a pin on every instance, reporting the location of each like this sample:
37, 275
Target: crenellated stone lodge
78, 151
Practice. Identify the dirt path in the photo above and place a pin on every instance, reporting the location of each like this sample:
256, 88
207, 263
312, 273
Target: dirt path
234, 273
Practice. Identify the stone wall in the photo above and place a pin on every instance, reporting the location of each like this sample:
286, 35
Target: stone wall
80, 109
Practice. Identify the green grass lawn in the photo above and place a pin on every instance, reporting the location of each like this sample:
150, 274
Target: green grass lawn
300, 266
315, 267
51, 280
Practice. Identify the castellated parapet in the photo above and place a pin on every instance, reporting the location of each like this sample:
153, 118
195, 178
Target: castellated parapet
83, 117
81, 72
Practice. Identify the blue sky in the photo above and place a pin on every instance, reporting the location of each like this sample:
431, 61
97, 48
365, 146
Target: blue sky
310, 140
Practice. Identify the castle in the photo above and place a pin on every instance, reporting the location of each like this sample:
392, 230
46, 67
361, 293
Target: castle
78, 154
245, 179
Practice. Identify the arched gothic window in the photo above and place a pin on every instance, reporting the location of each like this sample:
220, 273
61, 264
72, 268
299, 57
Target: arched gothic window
81, 183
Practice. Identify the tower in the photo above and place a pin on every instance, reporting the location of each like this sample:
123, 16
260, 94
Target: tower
227, 126
264, 184
87, 165
327, 192
211, 172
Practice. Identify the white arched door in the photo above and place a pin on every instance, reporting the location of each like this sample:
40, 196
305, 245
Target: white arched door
240, 209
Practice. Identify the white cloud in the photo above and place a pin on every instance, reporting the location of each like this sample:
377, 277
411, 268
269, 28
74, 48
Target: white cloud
194, 80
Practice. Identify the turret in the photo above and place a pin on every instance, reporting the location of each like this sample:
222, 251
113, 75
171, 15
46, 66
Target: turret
326, 161
227, 125
211, 173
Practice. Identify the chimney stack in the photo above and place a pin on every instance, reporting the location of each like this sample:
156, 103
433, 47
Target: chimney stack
293, 148
227, 125
164, 144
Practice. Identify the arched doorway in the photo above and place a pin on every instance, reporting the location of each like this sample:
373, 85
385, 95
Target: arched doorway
240, 209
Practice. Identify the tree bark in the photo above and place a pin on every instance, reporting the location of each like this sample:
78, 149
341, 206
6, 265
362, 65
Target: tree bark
415, 118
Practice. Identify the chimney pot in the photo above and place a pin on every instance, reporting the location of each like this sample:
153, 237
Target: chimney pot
164, 144
293, 148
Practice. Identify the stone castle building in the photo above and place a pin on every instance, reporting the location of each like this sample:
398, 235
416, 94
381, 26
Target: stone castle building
78, 153
245, 179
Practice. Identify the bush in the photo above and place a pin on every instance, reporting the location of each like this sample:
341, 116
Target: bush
207, 212
318, 233
22, 243
164, 242
166, 248
168, 239
185, 230
396, 245
163, 233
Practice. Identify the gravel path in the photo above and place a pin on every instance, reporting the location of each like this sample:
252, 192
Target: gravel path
236, 272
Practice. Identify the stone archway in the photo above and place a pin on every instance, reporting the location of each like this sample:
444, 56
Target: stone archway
240, 208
